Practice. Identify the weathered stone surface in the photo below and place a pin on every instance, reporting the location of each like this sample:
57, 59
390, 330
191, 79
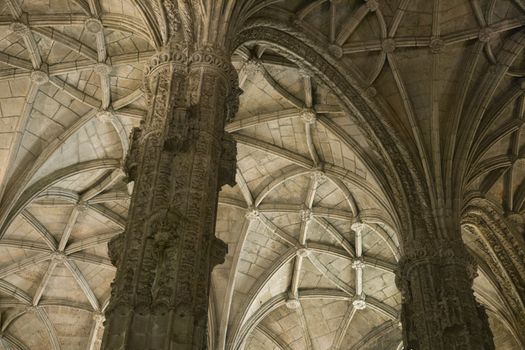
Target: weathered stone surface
370, 137
178, 159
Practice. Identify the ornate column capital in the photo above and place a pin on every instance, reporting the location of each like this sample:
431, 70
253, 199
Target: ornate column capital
439, 310
210, 57
174, 54
440, 253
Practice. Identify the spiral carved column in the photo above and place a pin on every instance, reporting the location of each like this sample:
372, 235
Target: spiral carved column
178, 159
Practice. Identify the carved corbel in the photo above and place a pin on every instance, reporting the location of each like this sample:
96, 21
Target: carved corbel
228, 166
232, 103
115, 248
403, 285
218, 251
487, 336
133, 156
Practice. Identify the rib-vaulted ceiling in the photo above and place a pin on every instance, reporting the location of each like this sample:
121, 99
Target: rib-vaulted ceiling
309, 202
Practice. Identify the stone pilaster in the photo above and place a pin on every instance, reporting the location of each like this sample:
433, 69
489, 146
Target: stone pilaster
179, 158
439, 311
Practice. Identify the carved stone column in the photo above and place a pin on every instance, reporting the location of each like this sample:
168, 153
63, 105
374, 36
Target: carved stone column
179, 158
439, 311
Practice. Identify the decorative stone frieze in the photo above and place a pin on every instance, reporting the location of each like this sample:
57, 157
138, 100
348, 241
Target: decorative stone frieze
173, 16
210, 58
174, 54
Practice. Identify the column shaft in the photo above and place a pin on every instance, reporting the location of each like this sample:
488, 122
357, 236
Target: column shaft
439, 310
178, 160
